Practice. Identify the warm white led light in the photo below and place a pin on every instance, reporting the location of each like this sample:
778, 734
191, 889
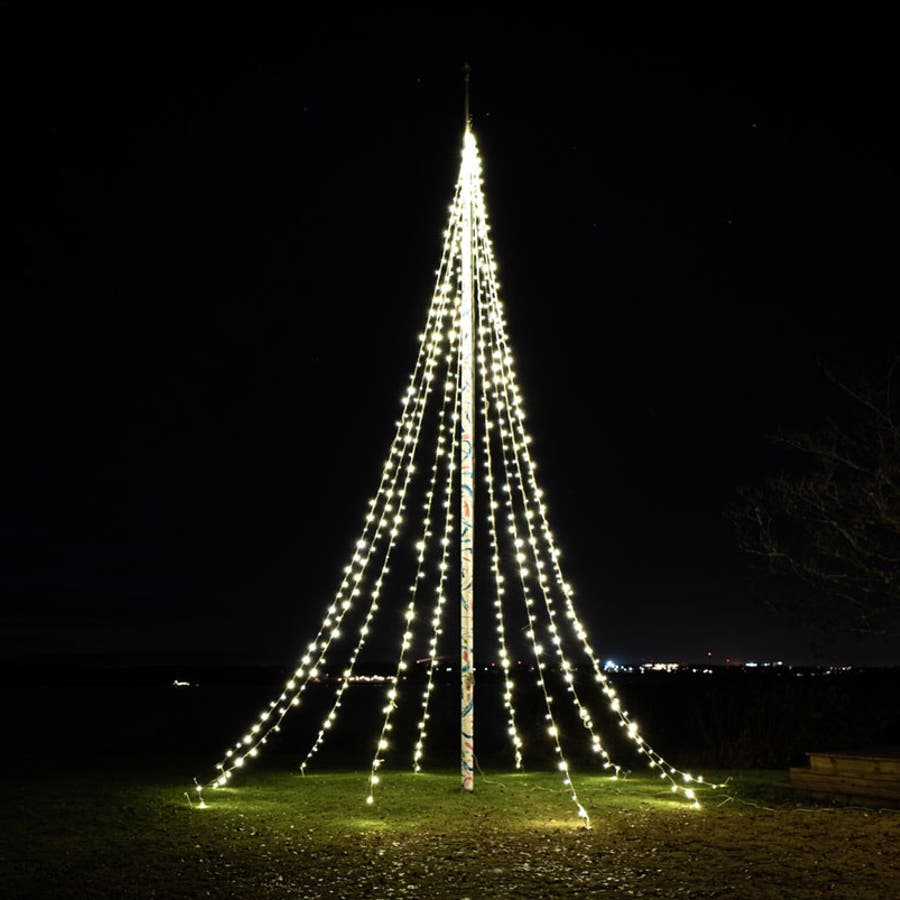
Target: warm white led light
443, 566
514, 500
422, 547
546, 596
375, 520
504, 373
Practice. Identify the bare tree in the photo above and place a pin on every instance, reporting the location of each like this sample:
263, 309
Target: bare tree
834, 527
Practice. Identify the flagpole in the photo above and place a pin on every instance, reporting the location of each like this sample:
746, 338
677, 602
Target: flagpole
467, 465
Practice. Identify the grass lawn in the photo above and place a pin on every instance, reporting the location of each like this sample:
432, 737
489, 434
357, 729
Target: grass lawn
127, 830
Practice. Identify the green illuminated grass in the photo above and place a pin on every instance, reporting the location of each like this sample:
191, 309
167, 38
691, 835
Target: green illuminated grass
413, 802
129, 830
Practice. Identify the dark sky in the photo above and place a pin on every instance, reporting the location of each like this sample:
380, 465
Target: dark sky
218, 258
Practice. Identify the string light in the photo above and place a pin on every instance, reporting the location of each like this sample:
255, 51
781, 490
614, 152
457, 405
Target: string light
514, 402
487, 426
440, 597
376, 592
533, 545
450, 382
511, 451
271, 717
482, 240
537, 650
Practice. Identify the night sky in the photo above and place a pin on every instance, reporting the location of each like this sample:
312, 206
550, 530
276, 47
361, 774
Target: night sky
217, 262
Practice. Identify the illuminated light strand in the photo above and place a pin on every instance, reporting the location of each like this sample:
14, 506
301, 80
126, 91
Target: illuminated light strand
537, 650
374, 606
507, 430
631, 726
513, 530
443, 565
655, 759
487, 423
346, 604
256, 736
405, 441
441, 599
249, 745
488, 286
429, 342
452, 376
443, 288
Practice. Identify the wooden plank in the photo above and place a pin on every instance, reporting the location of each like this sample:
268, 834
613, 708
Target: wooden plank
849, 787
855, 766
883, 760
805, 779
852, 768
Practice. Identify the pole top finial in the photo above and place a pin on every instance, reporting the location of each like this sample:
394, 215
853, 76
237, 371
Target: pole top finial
467, 71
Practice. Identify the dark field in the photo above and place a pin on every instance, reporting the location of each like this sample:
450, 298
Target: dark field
126, 829
733, 719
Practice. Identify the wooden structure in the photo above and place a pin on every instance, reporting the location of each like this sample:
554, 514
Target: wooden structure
870, 777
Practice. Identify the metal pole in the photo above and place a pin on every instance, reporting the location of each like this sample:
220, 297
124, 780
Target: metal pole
467, 477
467, 72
